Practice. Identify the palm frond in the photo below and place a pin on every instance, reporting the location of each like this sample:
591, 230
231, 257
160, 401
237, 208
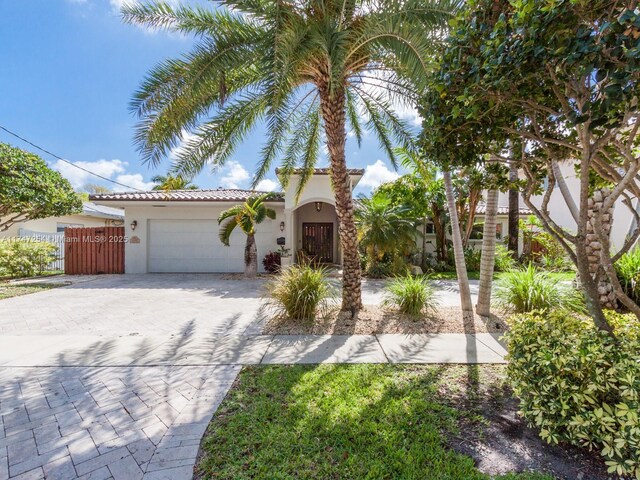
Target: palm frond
226, 231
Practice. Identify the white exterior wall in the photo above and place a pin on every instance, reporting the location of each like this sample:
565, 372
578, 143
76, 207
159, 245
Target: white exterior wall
50, 224
623, 221
136, 254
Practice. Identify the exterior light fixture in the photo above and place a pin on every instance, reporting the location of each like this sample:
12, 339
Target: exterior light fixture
134, 224
282, 226
318, 206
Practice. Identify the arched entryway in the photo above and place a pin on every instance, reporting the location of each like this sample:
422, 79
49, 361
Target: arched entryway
316, 232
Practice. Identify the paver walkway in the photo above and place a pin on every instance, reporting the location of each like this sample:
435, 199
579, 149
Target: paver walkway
130, 393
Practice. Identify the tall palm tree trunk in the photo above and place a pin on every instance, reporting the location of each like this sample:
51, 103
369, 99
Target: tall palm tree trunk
458, 251
250, 257
333, 113
488, 259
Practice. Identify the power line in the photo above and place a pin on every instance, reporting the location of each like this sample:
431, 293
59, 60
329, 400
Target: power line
67, 161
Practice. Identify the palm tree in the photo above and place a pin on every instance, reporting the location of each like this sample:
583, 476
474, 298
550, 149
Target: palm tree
302, 68
246, 216
383, 227
488, 259
170, 182
458, 249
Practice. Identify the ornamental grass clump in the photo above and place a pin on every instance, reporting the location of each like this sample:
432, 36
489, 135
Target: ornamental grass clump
411, 295
528, 289
300, 292
579, 385
628, 271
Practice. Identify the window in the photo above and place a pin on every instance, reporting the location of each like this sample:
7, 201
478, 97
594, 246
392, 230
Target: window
477, 231
61, 226
429, 229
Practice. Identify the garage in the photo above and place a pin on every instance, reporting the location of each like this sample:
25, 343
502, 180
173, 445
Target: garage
192, 246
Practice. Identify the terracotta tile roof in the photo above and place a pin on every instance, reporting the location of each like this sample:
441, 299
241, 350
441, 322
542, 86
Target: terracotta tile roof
482, 208
212, 195
323, 171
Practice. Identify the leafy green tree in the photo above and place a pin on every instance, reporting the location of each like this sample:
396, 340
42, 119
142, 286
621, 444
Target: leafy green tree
29, 189
246, 216
170, 182
384, 228
424, 202
307, 70
569, 91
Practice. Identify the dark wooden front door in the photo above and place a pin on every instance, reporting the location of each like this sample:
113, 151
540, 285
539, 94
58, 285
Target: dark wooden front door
317, 241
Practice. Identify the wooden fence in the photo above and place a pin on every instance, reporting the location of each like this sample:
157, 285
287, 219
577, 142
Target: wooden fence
90, 251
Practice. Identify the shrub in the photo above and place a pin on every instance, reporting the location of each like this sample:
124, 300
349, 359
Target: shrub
25, 257
628, 270
579, 385
504, 259
528, 289
410, 294
300, 291
271, 262
472, 259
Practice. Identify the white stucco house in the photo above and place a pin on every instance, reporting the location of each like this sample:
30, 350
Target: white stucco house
177, 231
624, 222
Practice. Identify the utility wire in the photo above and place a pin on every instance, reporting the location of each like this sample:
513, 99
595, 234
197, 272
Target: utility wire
67, 161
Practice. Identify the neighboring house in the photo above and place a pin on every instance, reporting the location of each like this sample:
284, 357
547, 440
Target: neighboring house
177, 231
623, 219
92, 216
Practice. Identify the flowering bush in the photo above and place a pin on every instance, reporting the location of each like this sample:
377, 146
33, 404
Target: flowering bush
25, 257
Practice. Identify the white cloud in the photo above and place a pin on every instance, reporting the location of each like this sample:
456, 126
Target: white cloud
267, 185
135, 181
408, 113
377, 174
234, 175
112, 169
77, 177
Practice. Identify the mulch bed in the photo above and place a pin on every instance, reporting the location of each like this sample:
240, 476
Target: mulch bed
374, 319
503, 443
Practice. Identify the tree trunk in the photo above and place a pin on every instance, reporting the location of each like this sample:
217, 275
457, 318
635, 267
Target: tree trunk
487, 262
250, 257
332, 105
592, 297
475, 196
564, 190
514, 212
424, 243
458, 251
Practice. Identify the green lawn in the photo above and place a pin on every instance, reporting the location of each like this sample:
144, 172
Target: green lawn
8, 290
473, 275
345, 422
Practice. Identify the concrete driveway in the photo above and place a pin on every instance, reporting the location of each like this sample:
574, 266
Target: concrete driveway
138, 304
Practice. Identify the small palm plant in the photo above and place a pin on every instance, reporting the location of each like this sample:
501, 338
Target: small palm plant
246, 216
412, 295
383, 227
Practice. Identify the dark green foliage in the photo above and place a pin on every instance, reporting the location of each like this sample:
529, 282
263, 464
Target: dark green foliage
29, 189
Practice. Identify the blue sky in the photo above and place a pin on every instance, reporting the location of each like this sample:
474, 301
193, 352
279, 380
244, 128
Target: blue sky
68, 69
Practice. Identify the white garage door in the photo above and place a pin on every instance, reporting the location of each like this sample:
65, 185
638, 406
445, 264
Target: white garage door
183, 246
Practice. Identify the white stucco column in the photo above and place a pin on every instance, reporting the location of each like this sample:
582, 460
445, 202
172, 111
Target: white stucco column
289, 229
